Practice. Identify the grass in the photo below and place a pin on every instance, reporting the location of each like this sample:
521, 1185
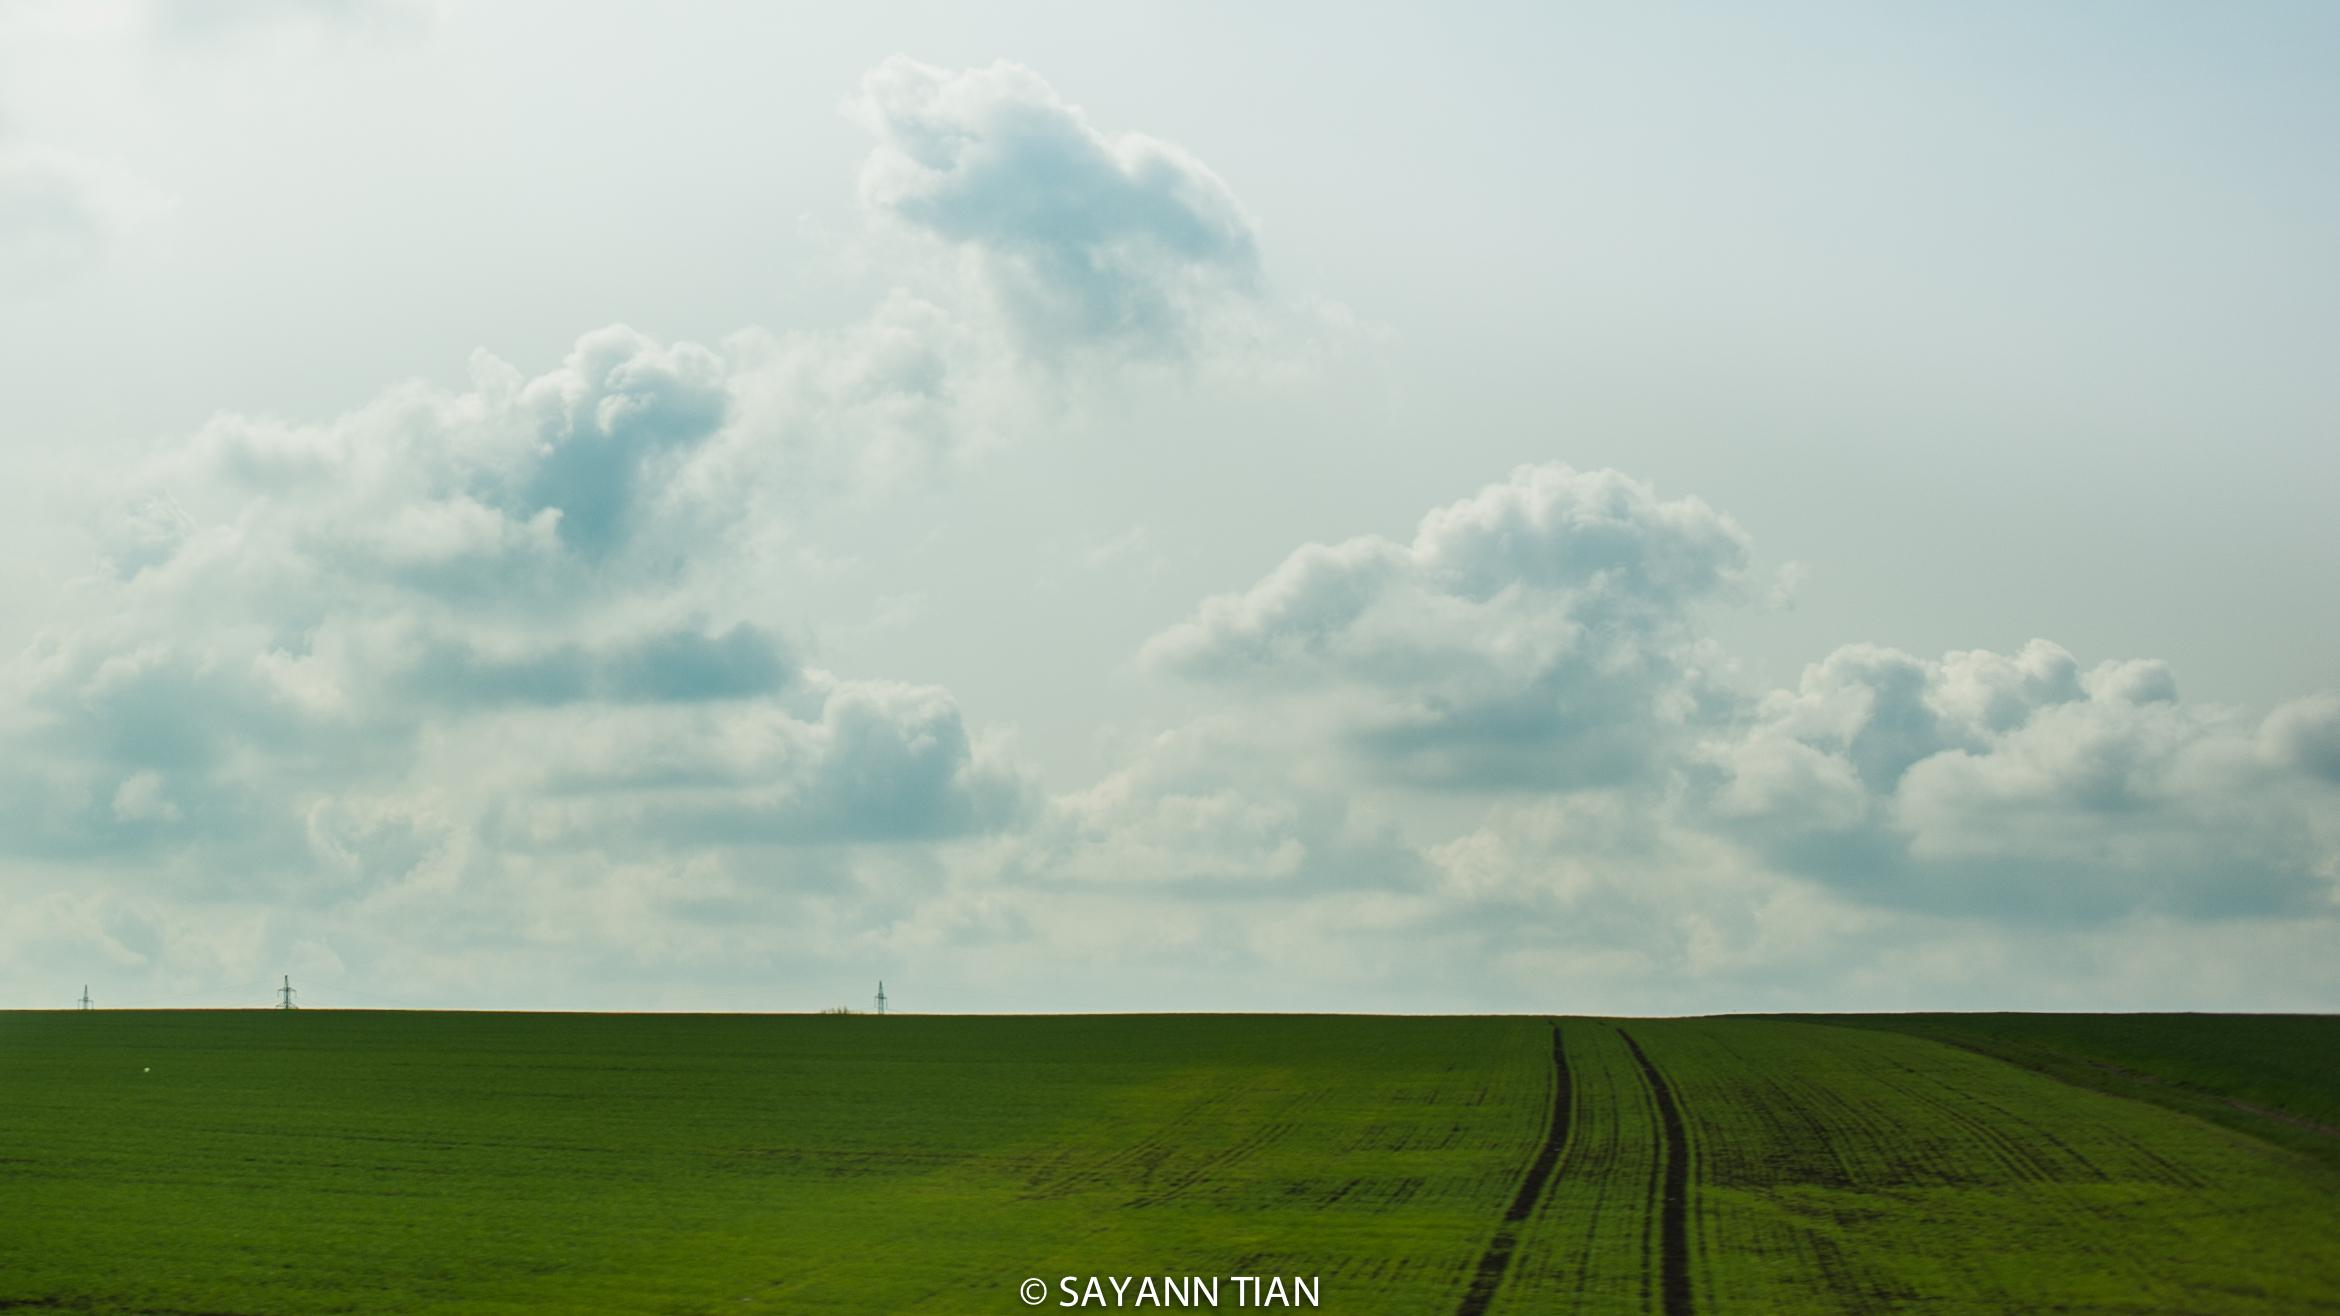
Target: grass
327, 1161
330, 1161
1842, 1170
2273, 1076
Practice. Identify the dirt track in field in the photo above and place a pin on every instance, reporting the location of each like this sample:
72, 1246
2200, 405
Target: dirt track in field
1497, 1258
1674, 1198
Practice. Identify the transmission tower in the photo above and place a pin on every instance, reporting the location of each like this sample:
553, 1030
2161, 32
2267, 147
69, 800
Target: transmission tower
285, 994
85, 996
881, 996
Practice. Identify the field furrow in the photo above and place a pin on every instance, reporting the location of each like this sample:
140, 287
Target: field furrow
1672, 1207
1497, 1258
1849, 1176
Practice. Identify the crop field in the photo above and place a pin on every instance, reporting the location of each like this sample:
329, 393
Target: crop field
356, 1161
2276, 1077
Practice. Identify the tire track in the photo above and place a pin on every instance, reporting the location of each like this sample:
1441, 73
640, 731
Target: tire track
1674, 1201
1497, 1258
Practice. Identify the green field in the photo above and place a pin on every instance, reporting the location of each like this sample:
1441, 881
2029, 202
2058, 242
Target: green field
2275, 1077
330, 1161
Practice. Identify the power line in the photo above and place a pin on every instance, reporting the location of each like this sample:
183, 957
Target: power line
881, 996
285, 994
85, 996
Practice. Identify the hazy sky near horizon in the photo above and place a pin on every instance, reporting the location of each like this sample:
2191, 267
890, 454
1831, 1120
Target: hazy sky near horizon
1588, 508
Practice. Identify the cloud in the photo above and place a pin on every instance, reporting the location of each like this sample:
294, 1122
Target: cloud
1598, 902
1536, 635
1611, 895
1209, 867
1084, 237
2020, 785
541, 584
614, 471
843, 761
912, 388
1210, 810
2304, 735
487, 686
676, 665
1543, 639
619, 407
497, 663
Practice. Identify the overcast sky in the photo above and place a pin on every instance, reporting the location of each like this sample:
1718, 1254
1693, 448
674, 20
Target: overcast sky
1553, 508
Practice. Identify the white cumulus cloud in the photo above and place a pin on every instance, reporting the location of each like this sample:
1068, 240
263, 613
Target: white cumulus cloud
1537, 634
1083, 236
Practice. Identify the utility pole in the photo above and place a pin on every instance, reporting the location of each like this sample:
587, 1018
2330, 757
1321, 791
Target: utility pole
881, 996
85, 996
285, 994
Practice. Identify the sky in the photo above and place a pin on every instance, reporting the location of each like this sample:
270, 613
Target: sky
1588, 508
